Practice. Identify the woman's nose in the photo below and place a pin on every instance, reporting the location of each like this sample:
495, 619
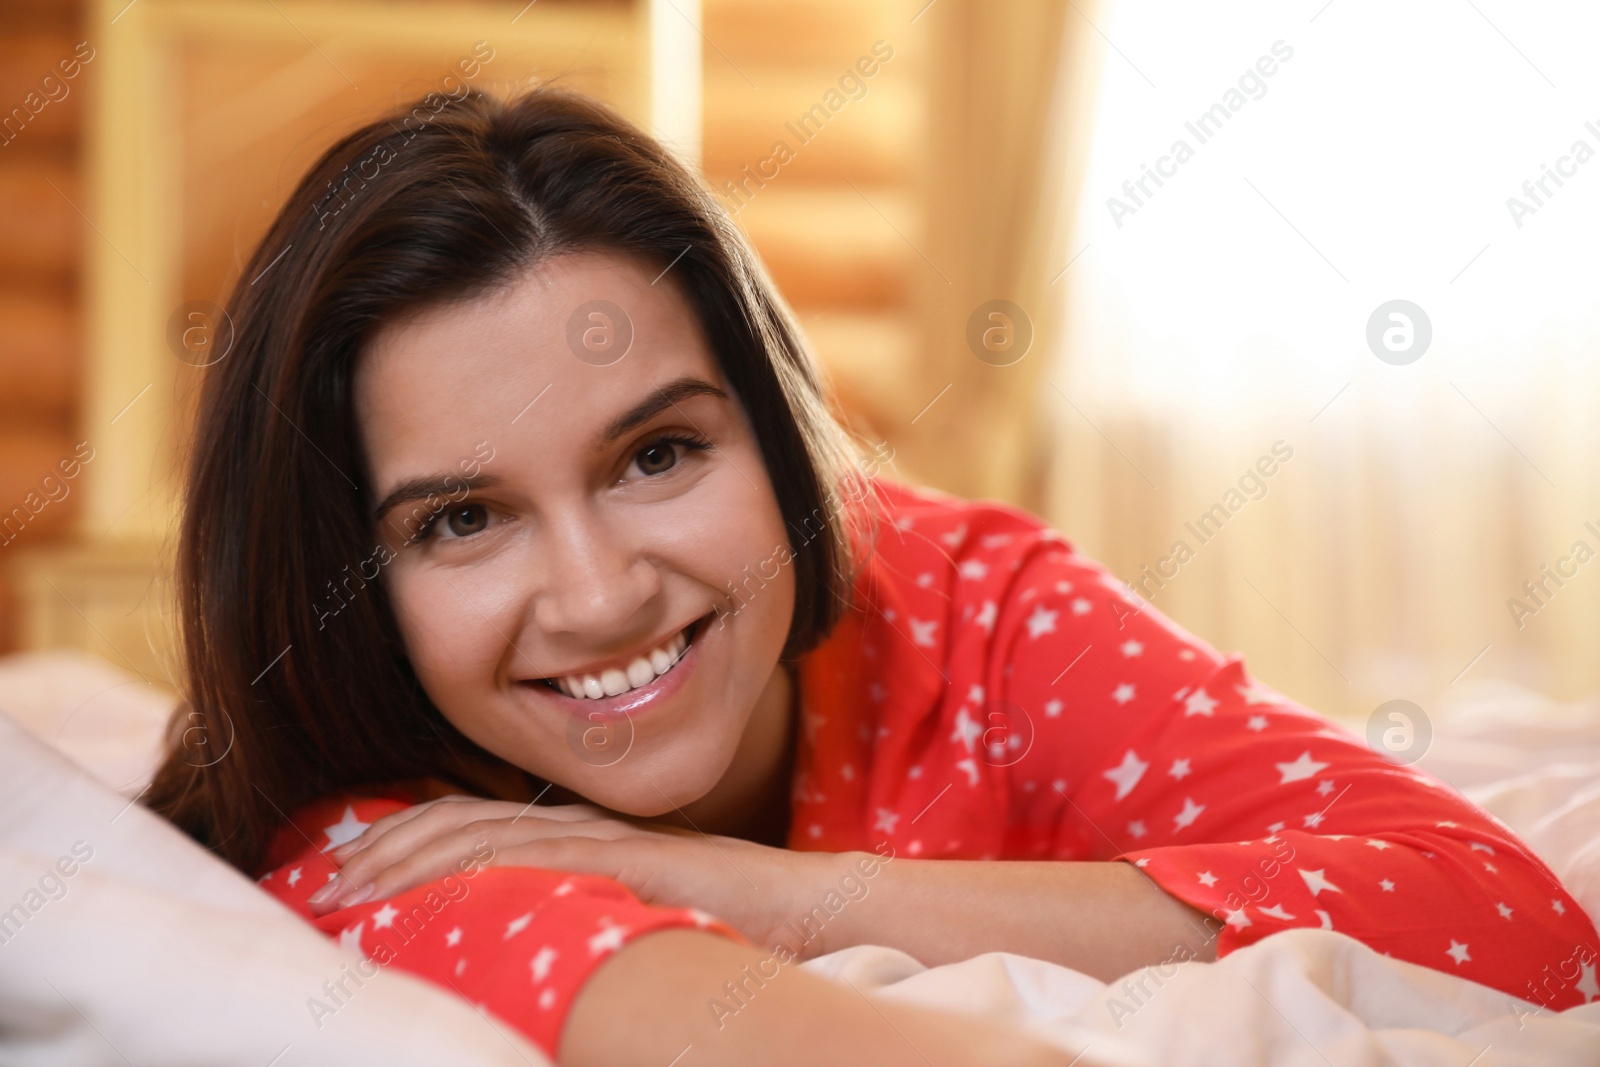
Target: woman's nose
595, 579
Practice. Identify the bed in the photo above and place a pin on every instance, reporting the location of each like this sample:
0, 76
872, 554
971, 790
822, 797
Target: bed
151, 950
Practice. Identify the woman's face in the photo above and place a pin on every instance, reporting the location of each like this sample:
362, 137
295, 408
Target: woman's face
613, 511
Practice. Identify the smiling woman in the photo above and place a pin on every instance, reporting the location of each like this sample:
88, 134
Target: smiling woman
547, 682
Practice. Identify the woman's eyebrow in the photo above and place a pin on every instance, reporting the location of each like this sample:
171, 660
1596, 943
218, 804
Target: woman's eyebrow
450, 484
664, 397
427, 485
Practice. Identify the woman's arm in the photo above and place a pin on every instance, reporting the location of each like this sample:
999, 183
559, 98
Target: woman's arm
652, 1003
1104, 919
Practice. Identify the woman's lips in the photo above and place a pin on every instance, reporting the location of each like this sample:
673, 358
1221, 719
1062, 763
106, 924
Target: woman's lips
635, 701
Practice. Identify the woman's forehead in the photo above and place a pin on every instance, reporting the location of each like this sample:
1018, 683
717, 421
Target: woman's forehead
572, 341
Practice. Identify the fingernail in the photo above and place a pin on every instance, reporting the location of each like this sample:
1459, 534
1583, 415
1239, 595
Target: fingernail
325, 893
360, 895
343, 850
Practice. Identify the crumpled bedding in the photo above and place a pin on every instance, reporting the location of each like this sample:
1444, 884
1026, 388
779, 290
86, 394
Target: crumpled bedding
154, 951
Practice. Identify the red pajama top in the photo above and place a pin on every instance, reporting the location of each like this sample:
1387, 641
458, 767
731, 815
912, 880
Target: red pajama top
997, 696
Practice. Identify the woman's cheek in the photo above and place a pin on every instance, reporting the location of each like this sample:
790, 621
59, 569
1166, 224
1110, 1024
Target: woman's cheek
442, 635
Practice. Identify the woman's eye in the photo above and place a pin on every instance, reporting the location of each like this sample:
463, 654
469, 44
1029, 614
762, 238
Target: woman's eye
466, 520
663, 454
656, 458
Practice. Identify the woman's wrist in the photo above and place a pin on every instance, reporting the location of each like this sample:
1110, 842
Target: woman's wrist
826, 886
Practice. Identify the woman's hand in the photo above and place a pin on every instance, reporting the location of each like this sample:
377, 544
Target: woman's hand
753, 888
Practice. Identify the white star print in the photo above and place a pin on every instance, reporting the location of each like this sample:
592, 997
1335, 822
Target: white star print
1052, 709
886, 820
1388, 886
1207, 879
1191, 811
1504, 910
1136, 828
1377, 843
1277, 912
1316, 882
1179, 769
294, 876
967, 730
1327, 920
1126, 774
1481, 847
351, 938
1325, 787
547, 998
1561, 908
1041, 622
924, 580
1256, 723
954, 538
1314, 819
1274, 828
971, 767
1081, 606
1238, 919
607, 940
517, 925
1256, 694
1458, 952
1199, 703
986, 616
1123, 694
384, 916
453, 938
1132, 648
346, 829
1302, 767
922, 632
1587, 984
540, 964
973, 570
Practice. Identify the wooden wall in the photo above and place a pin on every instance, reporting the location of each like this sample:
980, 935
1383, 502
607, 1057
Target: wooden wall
41, 242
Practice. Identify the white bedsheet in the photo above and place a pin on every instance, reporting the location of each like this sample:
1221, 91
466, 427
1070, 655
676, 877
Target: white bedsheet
178, 959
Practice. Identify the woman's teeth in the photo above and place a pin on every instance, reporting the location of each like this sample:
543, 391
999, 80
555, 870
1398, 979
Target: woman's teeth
614, 682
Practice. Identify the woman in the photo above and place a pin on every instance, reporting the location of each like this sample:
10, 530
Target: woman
528, 572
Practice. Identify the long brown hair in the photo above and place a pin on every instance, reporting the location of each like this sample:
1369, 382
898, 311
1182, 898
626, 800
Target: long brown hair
280, 709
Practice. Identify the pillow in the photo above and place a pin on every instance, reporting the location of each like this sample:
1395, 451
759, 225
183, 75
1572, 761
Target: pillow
121, 940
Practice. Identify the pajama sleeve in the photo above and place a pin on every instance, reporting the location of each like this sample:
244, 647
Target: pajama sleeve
517, 942
1149, 747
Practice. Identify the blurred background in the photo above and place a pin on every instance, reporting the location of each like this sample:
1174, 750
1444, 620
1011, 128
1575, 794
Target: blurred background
1285, 312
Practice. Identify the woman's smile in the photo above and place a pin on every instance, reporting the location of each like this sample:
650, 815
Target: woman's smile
627, 687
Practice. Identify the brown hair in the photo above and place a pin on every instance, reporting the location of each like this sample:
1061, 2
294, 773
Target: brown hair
281, 711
